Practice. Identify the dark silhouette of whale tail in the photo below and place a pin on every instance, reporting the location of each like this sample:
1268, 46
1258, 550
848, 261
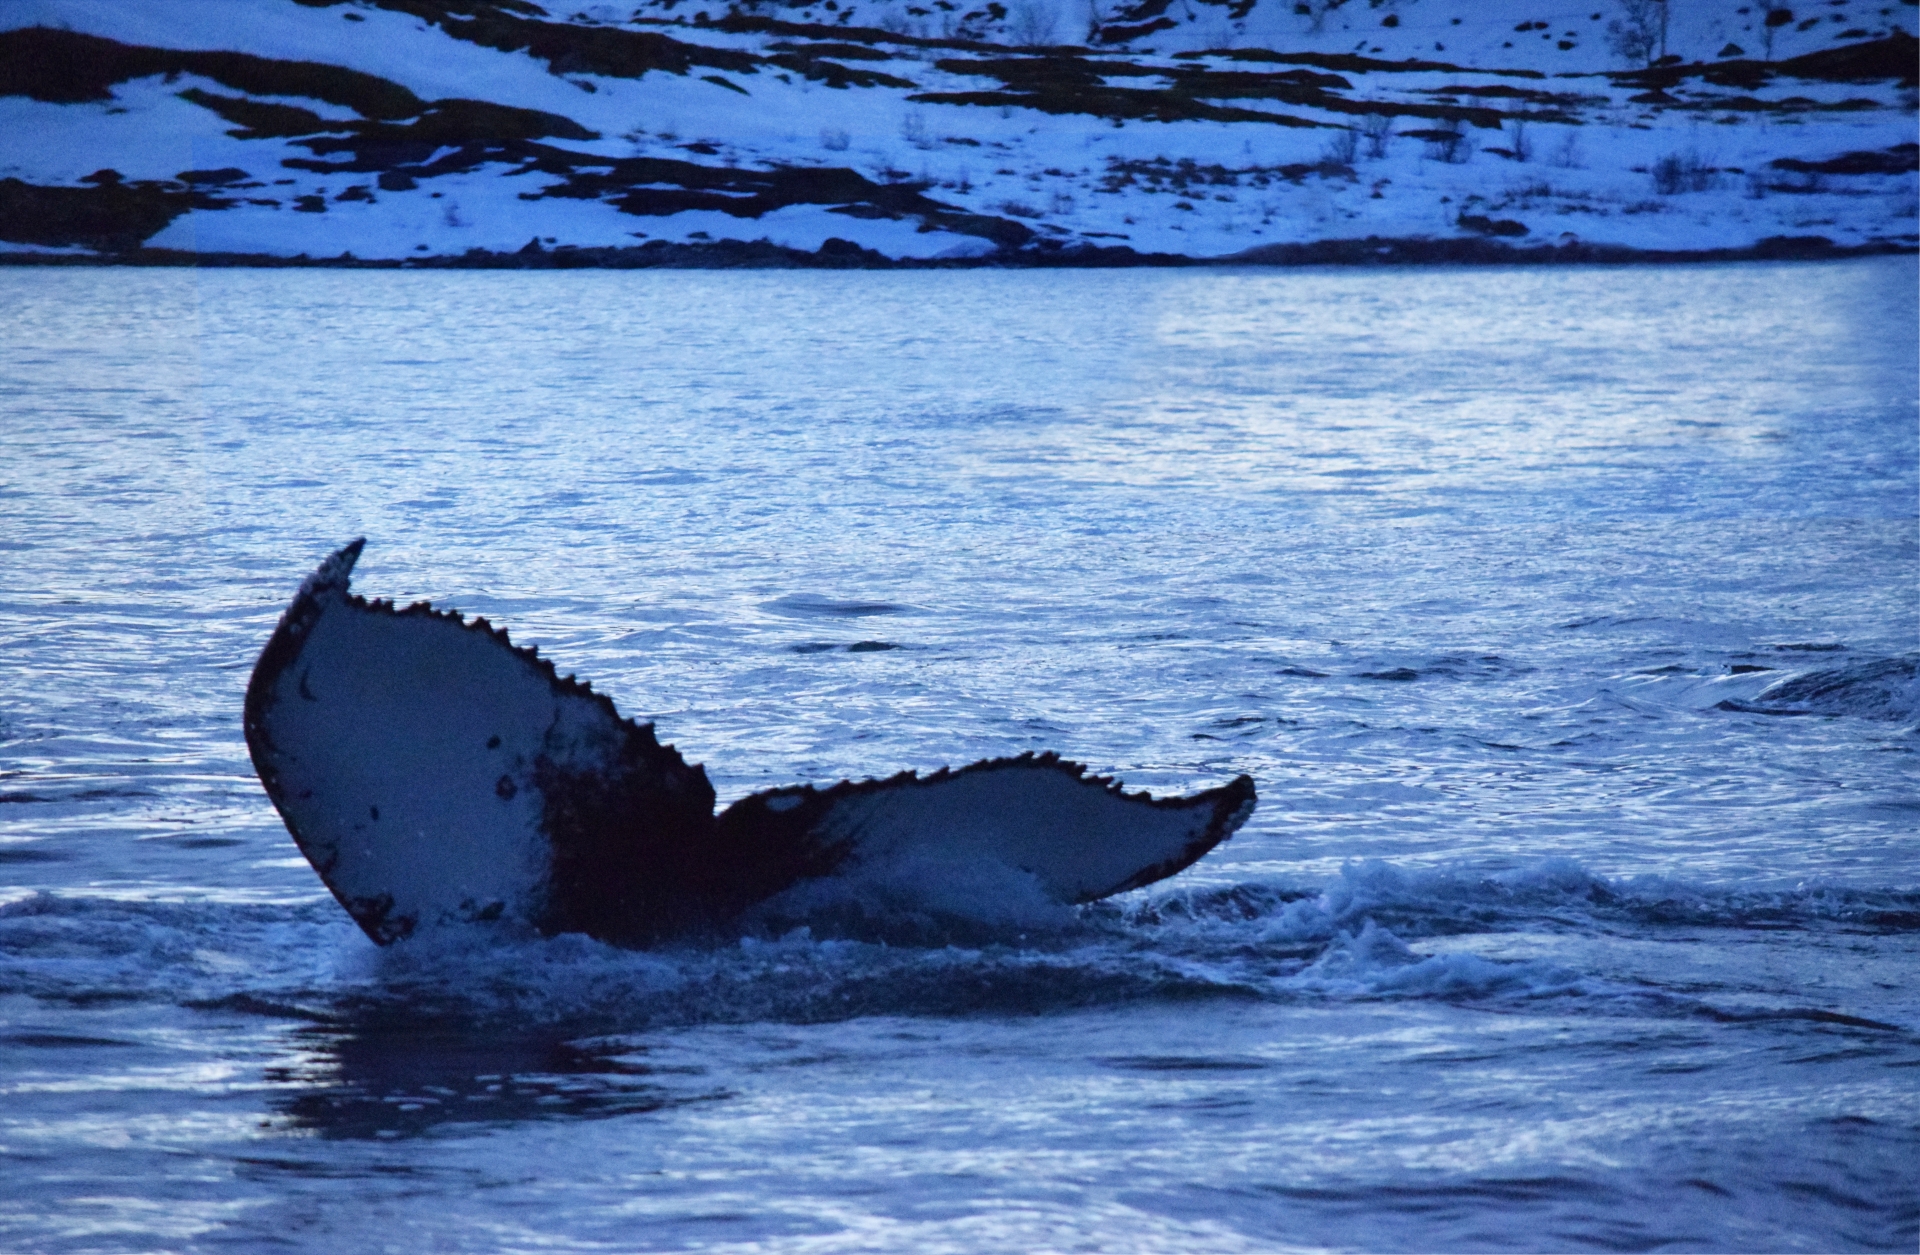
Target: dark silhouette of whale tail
432, 771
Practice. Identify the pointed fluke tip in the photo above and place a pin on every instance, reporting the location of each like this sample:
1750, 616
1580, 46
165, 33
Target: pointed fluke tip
333, 574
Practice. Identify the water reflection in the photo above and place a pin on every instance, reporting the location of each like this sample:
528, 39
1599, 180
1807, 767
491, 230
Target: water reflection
392, 1078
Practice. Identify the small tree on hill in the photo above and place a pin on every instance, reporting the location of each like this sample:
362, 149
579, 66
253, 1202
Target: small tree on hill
1033, 23
1378, 128
1773, 16
1640, 34
1315, 11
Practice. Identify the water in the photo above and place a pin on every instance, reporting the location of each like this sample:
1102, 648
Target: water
1575, 915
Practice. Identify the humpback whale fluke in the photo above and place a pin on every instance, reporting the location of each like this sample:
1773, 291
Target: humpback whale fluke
431, 771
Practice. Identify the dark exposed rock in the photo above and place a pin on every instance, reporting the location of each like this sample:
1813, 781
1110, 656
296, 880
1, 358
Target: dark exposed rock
566, 48
111, 216
1481, 250
1067, 84
748, 24
1179, 175
64, 67
1480, 224
834, 74
1506, 91
223, 177
839, 49
1895, 57
1348, 62
1900, 159
656, 186
1125, 34
61, 66
259, 119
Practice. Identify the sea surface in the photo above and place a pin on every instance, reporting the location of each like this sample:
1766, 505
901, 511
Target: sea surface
1568, 620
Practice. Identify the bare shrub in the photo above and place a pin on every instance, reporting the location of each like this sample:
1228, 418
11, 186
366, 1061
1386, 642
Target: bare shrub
1448, 142
1683, 172
1519, 143
913, 129
1095, 20
1378, 128
1566, 154
1344, 147
1668, 175
1315, 11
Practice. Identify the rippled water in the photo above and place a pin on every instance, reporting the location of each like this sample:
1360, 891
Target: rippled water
1568, 622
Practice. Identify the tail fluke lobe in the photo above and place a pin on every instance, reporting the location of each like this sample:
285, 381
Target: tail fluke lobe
1081, 836
430, 770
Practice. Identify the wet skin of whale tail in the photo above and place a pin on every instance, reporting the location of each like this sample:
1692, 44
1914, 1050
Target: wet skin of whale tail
432, 771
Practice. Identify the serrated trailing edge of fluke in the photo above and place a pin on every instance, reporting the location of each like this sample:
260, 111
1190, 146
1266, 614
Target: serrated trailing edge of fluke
337, 571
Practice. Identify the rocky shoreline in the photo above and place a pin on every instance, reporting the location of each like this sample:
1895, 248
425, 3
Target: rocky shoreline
839, 254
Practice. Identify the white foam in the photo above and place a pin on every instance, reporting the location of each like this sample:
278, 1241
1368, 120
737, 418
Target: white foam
1373, 962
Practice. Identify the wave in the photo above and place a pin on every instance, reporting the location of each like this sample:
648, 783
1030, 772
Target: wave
1885, 688
1373, 931
485, 1023
1555, 892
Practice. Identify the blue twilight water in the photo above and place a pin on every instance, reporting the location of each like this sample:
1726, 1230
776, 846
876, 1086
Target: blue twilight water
1568, 620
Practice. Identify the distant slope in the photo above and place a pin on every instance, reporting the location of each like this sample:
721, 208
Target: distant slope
496, 131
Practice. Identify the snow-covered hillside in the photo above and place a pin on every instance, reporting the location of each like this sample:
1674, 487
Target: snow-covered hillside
1011, 130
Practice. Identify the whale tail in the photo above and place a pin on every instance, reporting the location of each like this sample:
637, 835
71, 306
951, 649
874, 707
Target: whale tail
432, 771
